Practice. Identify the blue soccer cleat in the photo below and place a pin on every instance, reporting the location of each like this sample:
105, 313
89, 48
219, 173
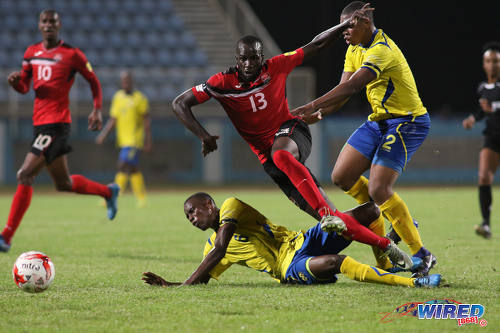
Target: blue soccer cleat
417, 263
4, 247
431, 281
111, 203
429, 260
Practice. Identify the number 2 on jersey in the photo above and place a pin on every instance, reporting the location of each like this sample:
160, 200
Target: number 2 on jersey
259, 103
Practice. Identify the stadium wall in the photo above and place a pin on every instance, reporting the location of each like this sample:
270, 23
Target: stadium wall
448, 156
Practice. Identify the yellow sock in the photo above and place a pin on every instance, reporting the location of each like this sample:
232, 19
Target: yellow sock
396, 211
138, 186
378, 228
121, 179
359, 190
365, 273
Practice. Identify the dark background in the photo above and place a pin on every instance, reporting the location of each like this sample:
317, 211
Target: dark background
441, 40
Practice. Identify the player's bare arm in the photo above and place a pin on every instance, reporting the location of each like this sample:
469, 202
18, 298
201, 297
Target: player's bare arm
327, 37
105, 131
338, 95
201, 275
182, 105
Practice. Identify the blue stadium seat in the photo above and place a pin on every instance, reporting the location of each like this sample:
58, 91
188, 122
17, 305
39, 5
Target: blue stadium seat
122, 22
108, 58
198, 58
145, 57
153, 39
175, 23
181, 58
164, 57
116, 39
187, 40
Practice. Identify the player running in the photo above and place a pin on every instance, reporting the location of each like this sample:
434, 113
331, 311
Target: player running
52, 64
489, 157
244, 236
129, 113
253, 95
385, 143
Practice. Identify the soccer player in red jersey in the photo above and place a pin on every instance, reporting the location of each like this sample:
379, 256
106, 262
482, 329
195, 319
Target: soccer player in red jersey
52, 64
253, 96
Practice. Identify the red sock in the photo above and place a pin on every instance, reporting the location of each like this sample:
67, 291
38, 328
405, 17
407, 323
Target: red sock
360, 233
302, 180
20, 204
83, 185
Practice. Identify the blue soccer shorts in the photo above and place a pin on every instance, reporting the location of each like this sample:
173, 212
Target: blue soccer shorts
129, 155
316, 243
391, 142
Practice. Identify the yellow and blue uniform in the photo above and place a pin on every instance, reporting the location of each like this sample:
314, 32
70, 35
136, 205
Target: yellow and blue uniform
399, 122
129, 110
259, 244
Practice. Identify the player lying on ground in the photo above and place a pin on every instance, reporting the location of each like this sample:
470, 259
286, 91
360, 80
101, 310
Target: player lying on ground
246, 237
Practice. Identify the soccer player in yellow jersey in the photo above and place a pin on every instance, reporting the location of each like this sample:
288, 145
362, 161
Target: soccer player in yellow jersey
129, 113
385, 143
244, 236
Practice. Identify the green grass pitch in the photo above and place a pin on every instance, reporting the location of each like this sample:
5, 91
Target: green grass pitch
97, 287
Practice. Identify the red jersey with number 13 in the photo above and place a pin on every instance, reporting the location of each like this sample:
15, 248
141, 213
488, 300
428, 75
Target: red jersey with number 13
258, 110
53, 72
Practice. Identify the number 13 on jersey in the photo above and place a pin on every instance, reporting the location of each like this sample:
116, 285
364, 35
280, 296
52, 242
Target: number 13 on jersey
258, 102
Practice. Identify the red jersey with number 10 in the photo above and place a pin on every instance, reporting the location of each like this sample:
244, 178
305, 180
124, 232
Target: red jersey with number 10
53, 72
258, 110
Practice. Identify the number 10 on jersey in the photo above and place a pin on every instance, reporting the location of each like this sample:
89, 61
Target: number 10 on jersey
258, 102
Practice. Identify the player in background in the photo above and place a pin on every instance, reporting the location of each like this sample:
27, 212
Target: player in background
489, 156
52, 64
385, 143
253, 95
244, 236
130, 114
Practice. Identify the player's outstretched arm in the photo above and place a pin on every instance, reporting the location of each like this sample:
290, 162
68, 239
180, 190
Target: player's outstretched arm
224, 236
327, 37
105, 131
182, 105
156, 280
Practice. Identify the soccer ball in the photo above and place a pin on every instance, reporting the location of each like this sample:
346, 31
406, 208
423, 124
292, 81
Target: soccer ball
33, 272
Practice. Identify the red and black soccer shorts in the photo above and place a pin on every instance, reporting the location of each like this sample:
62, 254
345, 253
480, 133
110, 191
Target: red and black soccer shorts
298, 131
51, 140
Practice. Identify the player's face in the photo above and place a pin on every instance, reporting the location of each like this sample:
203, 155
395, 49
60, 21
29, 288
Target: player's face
353, 35
200, 213
249, 61
49, 25
126, 82
491, 63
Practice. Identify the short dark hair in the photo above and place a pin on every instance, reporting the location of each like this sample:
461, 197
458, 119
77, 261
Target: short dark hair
250, 40
492, 45
355, 5
200, 196
50, 11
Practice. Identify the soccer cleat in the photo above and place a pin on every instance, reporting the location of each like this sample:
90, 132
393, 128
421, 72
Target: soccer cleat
331, 223
392, 234
428, 259
398, 257
431, 281
417, 263
4, 247
483, 230
111, 202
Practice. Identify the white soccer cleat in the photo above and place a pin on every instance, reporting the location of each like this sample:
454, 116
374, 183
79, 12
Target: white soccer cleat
398, 257
332, 223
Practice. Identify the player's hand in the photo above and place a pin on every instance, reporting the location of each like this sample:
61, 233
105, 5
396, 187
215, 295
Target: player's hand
95, 120
303, 111
156, 280
148, 146
312, 118
469, 122
99, 139
361, 14
485, 105
14, 78
209, 144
